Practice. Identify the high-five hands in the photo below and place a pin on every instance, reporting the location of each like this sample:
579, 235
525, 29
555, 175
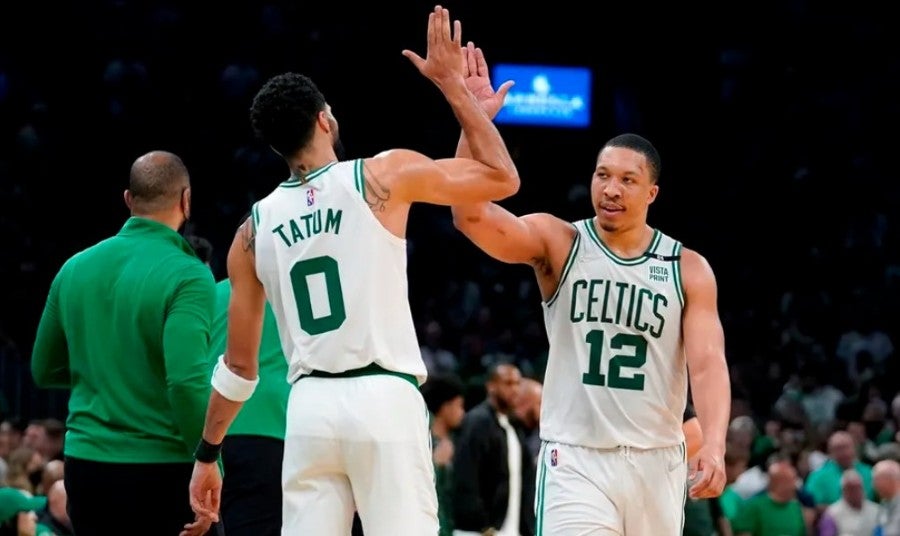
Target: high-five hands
478, 80
444, 57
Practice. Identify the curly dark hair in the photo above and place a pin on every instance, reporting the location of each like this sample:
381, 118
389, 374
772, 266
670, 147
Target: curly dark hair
284, 111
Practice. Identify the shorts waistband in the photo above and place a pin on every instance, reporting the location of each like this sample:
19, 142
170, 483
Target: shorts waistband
368, 370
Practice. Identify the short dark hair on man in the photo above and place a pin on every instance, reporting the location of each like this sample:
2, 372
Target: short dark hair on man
156, 181
641, 145
439, 390
202, 247
284, 112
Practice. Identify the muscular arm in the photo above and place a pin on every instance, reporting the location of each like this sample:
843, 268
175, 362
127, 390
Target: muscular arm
541, 240
409, 177
704, 346
496, 231
245, 317
186, 335
50, 356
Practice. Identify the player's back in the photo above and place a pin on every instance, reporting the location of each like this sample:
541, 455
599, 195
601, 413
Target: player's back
616, 372
335, 277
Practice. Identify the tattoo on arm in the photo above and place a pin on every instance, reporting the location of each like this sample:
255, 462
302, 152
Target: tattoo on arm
375, 193
248, 236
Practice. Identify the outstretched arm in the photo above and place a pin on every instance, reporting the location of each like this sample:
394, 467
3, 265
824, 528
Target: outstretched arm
443, 66
496, 231
704, 346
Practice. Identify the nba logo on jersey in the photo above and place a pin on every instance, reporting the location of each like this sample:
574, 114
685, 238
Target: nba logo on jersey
554, 457
310, 197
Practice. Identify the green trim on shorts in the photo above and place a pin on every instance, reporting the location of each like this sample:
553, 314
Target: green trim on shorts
539, 496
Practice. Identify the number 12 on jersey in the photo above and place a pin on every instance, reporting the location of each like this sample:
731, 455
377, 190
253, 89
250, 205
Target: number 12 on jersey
615, 380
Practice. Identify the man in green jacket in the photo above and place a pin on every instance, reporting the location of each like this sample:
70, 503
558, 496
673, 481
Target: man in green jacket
254, 445
126, 327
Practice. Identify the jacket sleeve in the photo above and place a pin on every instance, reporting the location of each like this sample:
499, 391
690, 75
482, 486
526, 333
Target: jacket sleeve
469, 510
50, 355
186, 339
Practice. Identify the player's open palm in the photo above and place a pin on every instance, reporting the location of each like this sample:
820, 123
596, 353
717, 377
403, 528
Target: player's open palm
206, 490
444, 57
706, 474
478, 80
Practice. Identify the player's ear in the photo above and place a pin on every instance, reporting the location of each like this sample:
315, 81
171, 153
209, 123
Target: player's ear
128, 199
654, 191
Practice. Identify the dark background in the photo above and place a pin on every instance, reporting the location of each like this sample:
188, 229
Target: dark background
775, 121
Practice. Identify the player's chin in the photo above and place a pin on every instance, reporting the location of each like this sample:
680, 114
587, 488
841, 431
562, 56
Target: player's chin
608, 225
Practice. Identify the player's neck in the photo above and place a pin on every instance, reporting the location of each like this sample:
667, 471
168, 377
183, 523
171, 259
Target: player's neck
310, 160
626, 243
171, 221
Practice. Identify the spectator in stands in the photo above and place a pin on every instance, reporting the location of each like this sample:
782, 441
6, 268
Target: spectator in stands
18, 512
444, 399
54, 519
494, 476
528, 413
886, 475
776, 512
824, 484
853, 514
202, 247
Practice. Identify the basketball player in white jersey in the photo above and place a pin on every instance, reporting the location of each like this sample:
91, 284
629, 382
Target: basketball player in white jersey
628, 311
327, 248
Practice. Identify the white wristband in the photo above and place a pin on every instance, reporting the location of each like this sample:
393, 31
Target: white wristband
230, 385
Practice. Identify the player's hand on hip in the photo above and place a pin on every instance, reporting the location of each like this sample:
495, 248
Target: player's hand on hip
706, 473
444, 59
478, 80
206, 490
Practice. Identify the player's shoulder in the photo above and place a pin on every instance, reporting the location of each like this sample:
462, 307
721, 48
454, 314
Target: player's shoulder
695, 269
396, 155
183, 263
693, 259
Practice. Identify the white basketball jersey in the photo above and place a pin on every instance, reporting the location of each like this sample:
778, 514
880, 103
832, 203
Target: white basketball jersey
336, 278
616, 372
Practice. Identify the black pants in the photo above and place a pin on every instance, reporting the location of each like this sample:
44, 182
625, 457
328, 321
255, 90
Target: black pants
128, 498
251, 489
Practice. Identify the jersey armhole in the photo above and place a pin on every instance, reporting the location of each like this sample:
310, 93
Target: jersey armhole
254, 217
570, 260
359, 178
676, 269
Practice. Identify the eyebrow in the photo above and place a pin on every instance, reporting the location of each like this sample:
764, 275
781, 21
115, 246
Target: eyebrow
604, 168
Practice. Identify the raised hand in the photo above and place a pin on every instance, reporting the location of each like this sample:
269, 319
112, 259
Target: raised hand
444, 57
478, 80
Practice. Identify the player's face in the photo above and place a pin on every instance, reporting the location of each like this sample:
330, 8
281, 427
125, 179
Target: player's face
621, 189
